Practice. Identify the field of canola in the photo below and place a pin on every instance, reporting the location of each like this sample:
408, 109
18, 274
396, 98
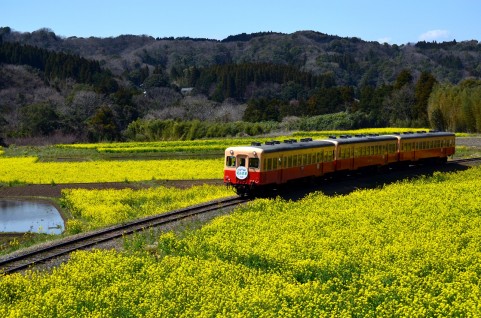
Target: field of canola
29, 170
215, 145
91, 209
410, 249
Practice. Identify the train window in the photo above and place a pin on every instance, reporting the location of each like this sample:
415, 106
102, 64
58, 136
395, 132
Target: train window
230, 161
269, 164
254, 163
242, 162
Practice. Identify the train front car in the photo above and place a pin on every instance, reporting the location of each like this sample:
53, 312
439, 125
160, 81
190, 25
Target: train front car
258, 167
242, 168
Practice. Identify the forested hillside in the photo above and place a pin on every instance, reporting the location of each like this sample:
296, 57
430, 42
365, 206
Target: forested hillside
94, 88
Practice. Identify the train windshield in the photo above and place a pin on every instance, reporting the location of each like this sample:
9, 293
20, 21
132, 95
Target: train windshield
254, 163
230, 161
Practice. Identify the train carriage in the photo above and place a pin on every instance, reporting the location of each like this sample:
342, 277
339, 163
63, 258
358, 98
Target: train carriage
253, 167
422, 146
362, 151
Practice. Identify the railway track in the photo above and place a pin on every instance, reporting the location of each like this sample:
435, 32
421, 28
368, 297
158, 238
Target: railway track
56, 249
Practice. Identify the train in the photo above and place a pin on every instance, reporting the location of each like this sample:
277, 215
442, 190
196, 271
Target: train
259, 167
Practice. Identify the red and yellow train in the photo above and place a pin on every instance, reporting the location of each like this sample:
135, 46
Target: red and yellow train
259, 166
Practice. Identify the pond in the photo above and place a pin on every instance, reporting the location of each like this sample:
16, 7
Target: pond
27, 216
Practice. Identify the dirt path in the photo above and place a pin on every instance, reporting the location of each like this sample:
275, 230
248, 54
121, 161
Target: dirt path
54, 191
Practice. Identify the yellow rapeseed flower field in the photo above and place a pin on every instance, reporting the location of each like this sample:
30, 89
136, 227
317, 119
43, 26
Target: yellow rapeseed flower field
29, 170
92, 209
410, 249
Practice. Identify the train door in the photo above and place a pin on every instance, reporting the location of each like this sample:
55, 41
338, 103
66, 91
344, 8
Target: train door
241, 168
280, 169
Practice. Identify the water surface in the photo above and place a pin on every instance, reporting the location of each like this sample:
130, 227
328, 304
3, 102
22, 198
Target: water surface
28, 216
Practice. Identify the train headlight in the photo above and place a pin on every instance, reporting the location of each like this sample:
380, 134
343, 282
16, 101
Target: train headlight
254, 153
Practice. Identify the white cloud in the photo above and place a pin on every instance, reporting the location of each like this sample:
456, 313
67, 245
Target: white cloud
385, 40
434, 35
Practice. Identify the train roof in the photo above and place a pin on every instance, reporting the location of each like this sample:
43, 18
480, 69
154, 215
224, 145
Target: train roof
290, 144
348, 139
425, 134
307, 143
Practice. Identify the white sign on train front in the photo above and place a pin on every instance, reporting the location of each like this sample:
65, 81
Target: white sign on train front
241, 173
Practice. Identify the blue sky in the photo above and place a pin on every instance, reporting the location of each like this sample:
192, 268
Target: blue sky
394, 22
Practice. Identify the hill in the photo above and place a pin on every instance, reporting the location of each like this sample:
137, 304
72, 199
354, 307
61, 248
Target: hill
260, 76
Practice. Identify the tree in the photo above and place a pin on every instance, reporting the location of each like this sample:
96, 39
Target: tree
403, 78
422, 91
397, 108
39, 119
102, 125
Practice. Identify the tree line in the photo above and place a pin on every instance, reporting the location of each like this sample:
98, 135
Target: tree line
59, 65
456, 107
147, 101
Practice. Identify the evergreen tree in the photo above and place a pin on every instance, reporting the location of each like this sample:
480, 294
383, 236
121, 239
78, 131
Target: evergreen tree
423, 90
